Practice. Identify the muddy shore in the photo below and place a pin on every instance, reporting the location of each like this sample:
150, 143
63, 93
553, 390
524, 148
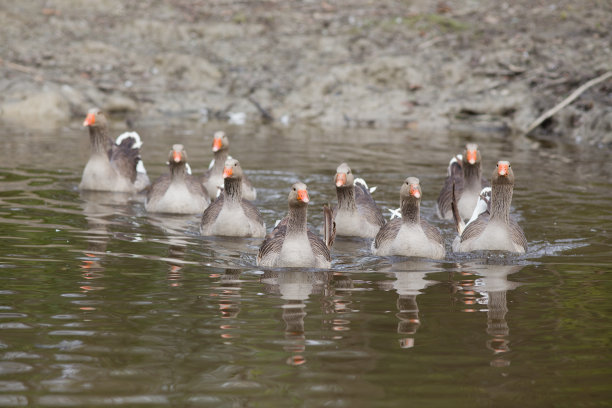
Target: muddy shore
467, 66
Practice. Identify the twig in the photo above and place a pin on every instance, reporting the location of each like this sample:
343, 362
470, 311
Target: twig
265, 115
568, 100
18, 67
22, 68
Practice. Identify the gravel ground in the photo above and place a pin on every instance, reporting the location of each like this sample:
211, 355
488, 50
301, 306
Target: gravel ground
467, 66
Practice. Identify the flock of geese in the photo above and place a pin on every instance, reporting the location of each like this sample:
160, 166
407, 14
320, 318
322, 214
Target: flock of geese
223, 195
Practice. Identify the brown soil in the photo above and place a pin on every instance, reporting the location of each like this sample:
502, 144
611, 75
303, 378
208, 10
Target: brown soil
466, 65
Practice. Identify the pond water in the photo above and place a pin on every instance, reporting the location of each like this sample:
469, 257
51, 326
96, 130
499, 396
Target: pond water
102, 304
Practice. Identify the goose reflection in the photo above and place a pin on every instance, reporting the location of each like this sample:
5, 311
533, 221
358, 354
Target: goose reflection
99, 208
174, 228
492, 285
410, 280
295, 287
229, 299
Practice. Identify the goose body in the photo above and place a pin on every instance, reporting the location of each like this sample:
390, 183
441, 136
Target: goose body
212, 180
178, 192
493, 229
291, 243
409, 235
230, 214
356, 214
112, 165
465, 173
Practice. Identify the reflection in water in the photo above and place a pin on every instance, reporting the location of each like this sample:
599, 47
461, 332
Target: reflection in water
295, 287
174, 227
340, 290
176, 253
492, 286
150, 343
229, 289
98, 208
409, 282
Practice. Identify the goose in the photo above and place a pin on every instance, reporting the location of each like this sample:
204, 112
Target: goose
291, 243
493, 229
356, 214
213, 178
112, 165
178, 192
465, 173
409, 235
230, 214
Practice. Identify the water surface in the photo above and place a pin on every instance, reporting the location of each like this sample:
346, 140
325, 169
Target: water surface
103, 304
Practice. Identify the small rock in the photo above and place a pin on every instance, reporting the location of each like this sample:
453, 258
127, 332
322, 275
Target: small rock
117, 103
44, 109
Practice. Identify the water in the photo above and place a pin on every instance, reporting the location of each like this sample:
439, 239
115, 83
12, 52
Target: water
102, 304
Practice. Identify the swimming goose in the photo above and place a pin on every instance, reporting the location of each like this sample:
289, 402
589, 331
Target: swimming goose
112, 166
291, 243
464, 171
356, 214
177, 192
230, 214
409, 235
494, 229
213, 178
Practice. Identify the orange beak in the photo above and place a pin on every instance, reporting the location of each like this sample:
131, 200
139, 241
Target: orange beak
176, 156
340, 179
302, 195
90, 119
502, 169
470, 155
414, 191
227, 172
217, 144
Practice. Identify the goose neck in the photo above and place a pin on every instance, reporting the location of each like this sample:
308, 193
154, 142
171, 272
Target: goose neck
220, 157
411, 212
177, 171
472, 175
346, 198
501, 197
232, 188
296, 224
99, 139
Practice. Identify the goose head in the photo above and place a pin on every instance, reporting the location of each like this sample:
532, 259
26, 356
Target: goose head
503, 174
411, 189
471, 156
344, 176
232, 169
298, 195
177, 155
95, 119
220, 141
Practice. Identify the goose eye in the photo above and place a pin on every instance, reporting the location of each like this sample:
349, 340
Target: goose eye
348, 172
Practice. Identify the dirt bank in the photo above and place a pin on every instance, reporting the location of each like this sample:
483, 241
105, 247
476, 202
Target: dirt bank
465, 65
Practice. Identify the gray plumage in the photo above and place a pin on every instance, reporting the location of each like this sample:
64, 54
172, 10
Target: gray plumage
291, 243
230, 214
112, 165
494, 229
356, 213
213, 177
177, 192
465, 174
409, 235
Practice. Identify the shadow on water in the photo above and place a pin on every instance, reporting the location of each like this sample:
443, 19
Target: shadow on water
104, 304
